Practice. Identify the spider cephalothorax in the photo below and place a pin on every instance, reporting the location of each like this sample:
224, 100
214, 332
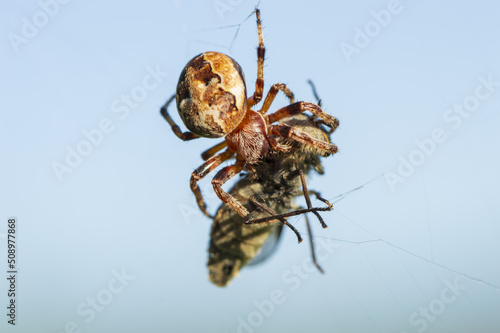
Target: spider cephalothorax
211, 100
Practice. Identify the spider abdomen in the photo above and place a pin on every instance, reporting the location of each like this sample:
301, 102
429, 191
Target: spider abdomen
211, 95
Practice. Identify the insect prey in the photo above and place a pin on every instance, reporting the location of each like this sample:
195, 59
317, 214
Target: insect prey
268, 193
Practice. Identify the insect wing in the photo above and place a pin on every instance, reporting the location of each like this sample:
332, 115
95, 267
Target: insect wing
269, 246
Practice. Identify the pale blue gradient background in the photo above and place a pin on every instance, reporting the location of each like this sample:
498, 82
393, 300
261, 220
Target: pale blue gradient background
121, 208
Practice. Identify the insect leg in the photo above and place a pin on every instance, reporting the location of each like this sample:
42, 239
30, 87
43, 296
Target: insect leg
314, 118
184, 136
320, 198
261, 50
201, 172
294, 213
308, 200
223, 176
315, 93
274, 216
311, 242
309, 208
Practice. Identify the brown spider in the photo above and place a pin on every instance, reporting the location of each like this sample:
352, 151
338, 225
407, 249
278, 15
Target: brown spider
212, 102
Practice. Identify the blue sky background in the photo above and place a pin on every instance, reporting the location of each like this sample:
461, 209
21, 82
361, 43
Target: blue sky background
418, 256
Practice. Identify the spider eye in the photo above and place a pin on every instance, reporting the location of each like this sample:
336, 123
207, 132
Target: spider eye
211, 95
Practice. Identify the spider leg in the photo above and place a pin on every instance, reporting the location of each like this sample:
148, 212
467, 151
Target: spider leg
289, 132
276, 145
275, 88
300, 107
223, 176
261, 50
213, 150
184, 136
202, 171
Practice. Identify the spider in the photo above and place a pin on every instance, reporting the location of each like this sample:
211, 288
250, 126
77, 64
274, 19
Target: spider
212, 102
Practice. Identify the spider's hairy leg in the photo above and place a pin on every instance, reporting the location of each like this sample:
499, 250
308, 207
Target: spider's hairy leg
289, 132
276, 145
202, 171
213, 150
275, 88
261, 50
300, 107
314, 118
223, 176
184, 136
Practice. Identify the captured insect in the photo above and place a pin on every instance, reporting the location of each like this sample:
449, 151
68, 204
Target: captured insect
268, 193
212, 102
